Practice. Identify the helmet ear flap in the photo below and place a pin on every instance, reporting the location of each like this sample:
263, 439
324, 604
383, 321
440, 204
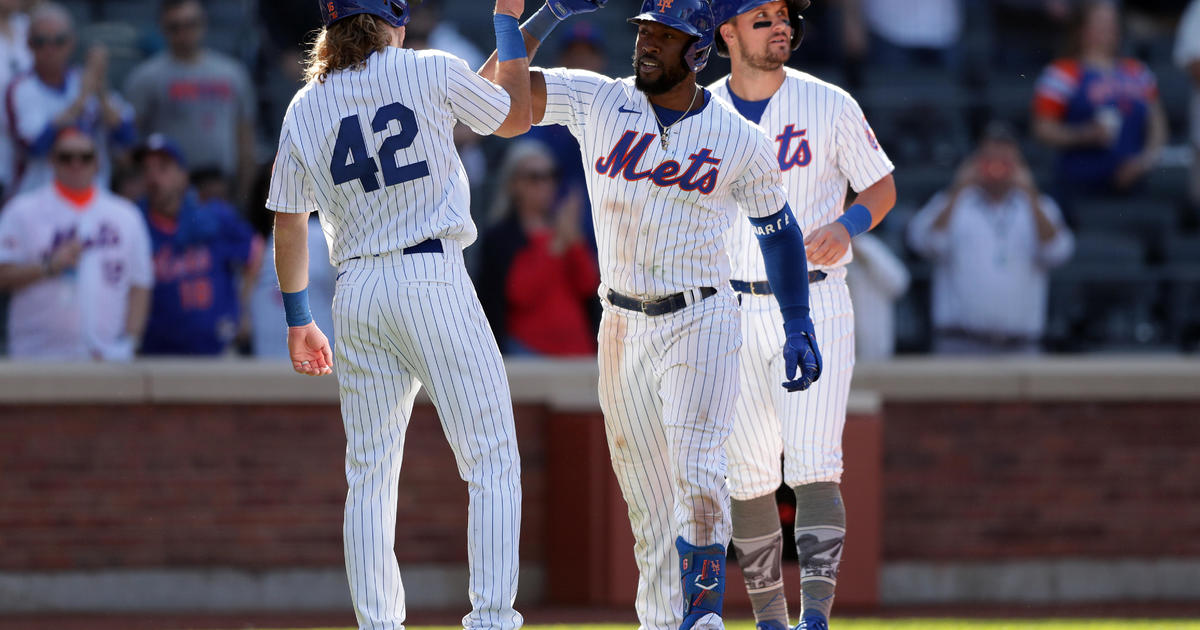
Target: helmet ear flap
797, 30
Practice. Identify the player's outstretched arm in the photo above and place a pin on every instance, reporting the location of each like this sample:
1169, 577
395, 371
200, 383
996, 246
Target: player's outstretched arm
307, 345
512, 67
534, 32
827, 244
782, 246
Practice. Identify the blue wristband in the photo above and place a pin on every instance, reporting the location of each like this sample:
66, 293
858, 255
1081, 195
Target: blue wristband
295, 308
857, 219
541, 23
510, 44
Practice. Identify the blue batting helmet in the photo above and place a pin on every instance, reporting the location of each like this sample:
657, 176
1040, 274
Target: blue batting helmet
725, 10
693, 17
394, 12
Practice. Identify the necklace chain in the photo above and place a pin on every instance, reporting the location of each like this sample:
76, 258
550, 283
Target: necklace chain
666, 129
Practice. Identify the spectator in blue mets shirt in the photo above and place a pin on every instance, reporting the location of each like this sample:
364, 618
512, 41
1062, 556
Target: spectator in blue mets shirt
205, 259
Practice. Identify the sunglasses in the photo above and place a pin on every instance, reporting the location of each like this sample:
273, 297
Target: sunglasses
75, 157
41, 41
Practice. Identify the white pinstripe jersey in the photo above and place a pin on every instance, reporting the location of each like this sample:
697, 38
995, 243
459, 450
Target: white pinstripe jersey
660, 215
816, 159
373, 150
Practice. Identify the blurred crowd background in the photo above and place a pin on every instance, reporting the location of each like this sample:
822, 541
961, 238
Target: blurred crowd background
1046, 163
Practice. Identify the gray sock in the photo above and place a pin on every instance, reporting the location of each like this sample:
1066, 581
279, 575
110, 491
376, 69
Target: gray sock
758, 544
820, 532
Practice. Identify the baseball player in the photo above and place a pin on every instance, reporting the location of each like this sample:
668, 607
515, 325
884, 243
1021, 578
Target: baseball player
369, 141
667, 167
821, 141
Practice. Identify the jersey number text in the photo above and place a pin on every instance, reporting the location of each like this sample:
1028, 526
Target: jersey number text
350, 158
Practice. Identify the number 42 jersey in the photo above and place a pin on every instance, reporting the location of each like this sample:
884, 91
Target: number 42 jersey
373, 150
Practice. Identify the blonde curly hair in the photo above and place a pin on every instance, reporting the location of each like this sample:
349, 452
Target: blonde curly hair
345, 45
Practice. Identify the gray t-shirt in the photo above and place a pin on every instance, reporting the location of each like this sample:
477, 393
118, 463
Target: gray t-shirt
197, 104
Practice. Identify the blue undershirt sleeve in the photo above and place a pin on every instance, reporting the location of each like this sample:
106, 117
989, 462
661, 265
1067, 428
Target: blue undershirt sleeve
782, 246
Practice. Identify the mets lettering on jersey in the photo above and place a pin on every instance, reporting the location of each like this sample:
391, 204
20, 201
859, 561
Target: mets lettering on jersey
623, 160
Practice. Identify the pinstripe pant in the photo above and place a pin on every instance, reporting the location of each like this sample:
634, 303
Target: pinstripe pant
402, 322
667, 387
805, 427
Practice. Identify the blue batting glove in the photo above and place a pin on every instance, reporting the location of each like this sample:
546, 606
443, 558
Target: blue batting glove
564, 9
800, 350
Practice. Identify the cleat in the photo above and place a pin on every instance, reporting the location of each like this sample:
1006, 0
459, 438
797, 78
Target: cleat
770, 625
814, 621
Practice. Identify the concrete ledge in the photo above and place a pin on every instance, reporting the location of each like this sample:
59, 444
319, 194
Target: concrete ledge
429, 587
1062, 581
569, 385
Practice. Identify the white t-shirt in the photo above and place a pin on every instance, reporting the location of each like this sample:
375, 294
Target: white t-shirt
15, 59
77, 313
915, 23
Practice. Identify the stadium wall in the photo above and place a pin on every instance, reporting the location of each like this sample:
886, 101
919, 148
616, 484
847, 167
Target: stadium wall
169, 485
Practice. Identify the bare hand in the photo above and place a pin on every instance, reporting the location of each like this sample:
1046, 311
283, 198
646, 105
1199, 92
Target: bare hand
967, 173
1023, 178
514, 8
309, 350
567, 230
827, 244
65, 256
1130, 172
96, 69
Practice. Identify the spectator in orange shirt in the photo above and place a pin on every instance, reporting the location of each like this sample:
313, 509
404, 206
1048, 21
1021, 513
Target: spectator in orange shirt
537, 274
1100, 110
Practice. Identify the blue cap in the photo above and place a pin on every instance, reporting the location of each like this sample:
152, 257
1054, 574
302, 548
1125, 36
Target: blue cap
160, 143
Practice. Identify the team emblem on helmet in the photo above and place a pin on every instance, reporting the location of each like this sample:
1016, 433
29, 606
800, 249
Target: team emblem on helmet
394, 12
693, 17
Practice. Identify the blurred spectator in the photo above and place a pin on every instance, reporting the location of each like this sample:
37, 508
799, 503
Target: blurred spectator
1187, 55
55, 96
199, 97
78, 261
876, 279
582, 48
992, 238
426, 26
199, 252
266, 303
1101, 111
15, 59
912, 33
537, 275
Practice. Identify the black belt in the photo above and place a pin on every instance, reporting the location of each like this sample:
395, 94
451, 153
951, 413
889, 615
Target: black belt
431, 246
661, 306
764, 288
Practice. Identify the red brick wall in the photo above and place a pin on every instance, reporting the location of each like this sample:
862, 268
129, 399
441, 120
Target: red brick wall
1009, 480
249, 486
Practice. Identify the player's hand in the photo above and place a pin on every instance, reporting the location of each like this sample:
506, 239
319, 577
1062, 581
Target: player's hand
800, 351
65, 256
827, 244
309, 350
510, 7
564, 9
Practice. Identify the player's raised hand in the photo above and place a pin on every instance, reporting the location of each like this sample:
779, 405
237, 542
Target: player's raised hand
564, 9
827, 244
800, 351
514, 8
309, 350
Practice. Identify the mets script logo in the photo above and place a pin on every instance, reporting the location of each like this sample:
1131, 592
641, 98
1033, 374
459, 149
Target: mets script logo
801, 156
332, 11
663, 5
624, 158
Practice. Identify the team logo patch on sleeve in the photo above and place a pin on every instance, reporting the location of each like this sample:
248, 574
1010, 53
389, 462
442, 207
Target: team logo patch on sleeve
874, 142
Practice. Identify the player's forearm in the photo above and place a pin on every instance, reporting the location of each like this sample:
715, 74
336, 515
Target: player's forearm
16, 276
512, 74
291, 251
879, 198
137, 311
782, 247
